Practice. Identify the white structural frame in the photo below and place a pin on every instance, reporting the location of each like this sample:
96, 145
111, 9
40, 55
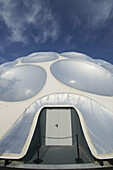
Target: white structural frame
43, 103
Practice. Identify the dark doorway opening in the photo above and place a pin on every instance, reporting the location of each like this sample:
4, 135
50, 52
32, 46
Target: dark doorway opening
55, 138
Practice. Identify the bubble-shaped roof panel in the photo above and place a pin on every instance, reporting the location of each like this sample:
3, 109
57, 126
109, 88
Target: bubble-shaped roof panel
7, 64
20, 59
83, 75
105, 65
40, 57
22, 82
75, 55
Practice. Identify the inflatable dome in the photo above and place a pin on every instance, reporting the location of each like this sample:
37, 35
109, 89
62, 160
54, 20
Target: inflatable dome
52, 100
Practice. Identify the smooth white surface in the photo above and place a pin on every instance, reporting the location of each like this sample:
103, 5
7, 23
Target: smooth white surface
84, 76
22, 82
76, 56
58, 125
40, 57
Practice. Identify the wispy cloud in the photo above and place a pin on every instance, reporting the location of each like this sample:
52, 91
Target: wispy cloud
20, 16
87, 18
48, 25
91, 13
1, 49
70, 22
7, 12
98, 12
68, 39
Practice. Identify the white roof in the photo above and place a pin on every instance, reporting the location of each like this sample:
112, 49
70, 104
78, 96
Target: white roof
42, 79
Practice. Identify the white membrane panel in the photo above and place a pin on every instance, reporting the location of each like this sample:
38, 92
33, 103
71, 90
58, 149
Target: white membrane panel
78, 56
8, 64
105, 65
84, 75
40, 57
96, 121
21, 82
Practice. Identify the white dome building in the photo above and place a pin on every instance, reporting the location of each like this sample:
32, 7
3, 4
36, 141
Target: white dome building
56, 111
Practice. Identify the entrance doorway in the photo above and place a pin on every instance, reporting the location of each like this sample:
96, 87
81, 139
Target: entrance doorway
58, 126
54, 140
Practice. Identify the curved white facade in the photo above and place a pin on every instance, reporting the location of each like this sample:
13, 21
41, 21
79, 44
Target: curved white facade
55, 80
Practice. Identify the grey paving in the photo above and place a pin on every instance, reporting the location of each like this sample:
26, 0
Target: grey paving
61, 155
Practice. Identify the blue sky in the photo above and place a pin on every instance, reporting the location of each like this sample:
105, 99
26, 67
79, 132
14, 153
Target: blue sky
28, 26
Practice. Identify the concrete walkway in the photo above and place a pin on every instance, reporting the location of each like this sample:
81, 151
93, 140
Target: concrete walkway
60, 155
